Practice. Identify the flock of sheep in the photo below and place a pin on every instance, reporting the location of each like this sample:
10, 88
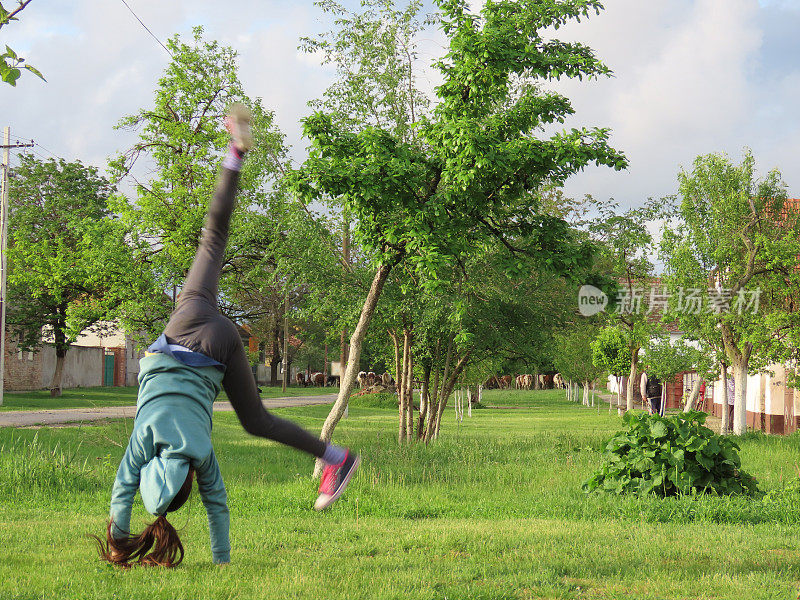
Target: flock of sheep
524, 382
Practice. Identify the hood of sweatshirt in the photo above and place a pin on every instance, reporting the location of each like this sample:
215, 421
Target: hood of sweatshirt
160, 480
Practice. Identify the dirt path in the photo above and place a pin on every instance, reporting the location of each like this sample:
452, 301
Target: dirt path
26, 418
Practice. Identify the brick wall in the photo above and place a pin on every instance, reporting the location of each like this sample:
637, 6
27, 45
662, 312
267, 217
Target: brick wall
84, 366
120, 364
23, 370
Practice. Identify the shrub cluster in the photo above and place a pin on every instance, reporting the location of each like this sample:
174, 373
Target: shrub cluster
670, 456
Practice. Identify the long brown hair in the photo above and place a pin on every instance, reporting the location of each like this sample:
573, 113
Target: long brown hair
160, 535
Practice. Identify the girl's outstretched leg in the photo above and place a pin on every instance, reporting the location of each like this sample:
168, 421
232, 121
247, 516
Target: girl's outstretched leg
203, 278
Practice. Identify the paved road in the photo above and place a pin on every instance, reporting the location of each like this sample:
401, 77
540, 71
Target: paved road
26, 418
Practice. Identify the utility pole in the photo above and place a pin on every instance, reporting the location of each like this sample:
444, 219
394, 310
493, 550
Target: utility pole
6, 146
286, 338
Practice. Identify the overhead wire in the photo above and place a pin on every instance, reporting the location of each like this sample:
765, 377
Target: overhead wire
146, 28
28, 139
50, 152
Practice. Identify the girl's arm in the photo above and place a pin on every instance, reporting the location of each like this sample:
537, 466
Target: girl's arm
215, 499
125, 486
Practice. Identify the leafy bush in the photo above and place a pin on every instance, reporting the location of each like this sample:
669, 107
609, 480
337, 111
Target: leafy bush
670, 456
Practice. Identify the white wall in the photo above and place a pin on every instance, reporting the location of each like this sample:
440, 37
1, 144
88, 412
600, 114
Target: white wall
773, 390
83, 367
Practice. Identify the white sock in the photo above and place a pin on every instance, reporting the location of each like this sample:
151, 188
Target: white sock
334, 455
233, 160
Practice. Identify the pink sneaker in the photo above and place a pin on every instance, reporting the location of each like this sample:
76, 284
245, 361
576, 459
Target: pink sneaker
334, 479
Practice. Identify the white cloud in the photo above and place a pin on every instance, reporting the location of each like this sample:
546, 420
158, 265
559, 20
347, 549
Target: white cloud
692, 76
697, 85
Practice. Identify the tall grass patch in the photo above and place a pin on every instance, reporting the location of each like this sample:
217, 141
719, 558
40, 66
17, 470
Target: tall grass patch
493, 509
30, 469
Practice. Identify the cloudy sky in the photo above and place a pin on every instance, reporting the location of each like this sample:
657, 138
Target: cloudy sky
691, 77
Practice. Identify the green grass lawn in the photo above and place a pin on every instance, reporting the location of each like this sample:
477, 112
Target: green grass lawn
491, 511
121, 396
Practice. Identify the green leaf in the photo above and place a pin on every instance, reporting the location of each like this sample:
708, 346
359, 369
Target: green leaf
659, 430
36, 72
10, 76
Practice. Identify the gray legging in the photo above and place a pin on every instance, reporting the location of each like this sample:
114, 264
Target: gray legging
197, 324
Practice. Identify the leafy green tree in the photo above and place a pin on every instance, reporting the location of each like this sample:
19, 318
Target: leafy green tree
573, 356
183, 138
374, 52
68, 260
11, 64
610, 352
664, 359
736, 240
626, 246
465, 180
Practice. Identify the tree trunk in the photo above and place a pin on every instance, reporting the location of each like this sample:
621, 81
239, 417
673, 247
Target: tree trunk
409, 389
447, 389
277, 355
342, 353
55, 383
472, 398
693, 395
403, 395
343, 350
725, 426
397, 373
740, 361
273, 365
349, 378
424, 400
325, 366
61, 346
433, 404
740, 396
436, 407
629, 389
619, 396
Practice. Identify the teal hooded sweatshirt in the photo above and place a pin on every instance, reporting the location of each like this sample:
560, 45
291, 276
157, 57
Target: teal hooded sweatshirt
172, 430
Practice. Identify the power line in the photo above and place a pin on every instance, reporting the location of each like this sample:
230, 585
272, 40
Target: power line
51, 153
35, 143
39, 155
146, 28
